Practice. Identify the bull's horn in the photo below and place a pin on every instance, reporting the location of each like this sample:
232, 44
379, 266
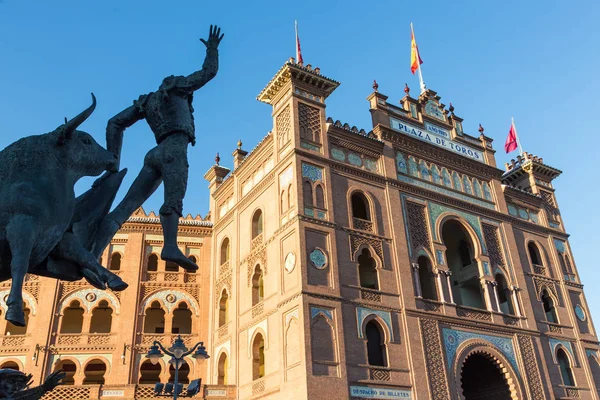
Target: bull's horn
78, 120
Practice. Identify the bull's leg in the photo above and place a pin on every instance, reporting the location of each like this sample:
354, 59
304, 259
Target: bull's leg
20, 234
71, 249
144, 185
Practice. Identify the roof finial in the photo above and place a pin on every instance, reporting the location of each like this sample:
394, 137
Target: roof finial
481, 129
375, 85
406, 89
217, 159
239, 144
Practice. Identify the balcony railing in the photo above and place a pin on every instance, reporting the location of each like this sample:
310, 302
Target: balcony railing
256, 242
223, 268
223, 330
171, 277
167, 338
258, 309
370, 295
473, 313
539, 269
363, 224
67, 339
13, 340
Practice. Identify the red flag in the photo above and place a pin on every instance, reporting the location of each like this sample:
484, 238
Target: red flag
511, 140
299, 59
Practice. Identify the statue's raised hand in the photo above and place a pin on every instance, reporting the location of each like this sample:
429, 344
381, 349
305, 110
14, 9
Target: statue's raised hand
53, 380
214, 38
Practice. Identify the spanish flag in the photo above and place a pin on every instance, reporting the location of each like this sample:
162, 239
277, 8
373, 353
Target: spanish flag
415, 57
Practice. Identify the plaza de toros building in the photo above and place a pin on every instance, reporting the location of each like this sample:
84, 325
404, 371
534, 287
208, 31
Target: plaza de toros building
395, 262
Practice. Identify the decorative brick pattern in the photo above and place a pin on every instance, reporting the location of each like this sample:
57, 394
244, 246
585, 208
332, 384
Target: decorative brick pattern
283, 126
258, 309
13, 341
258, 387
370, 295
69, 393
436, 374
493, 245
417, 226
473, 314
572, 393
66, 339
99, 339
534, 380
377, 374
549, 205
362, 224
357, 240
310, 122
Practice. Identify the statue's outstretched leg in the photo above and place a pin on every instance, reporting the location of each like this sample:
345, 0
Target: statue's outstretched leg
21, 232
144, 185
175, 176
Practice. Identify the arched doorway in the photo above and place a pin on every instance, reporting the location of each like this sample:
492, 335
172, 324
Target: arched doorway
69, 368
482, 379
10, 365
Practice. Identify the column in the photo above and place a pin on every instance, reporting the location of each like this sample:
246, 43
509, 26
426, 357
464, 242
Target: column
486, 294
495, 290
515, 299
415, 267
438, 281
448, 274
168, 323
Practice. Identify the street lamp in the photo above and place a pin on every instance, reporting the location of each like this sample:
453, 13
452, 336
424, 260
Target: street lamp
178, 352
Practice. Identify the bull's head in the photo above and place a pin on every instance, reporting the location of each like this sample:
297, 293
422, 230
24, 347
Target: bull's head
82, 152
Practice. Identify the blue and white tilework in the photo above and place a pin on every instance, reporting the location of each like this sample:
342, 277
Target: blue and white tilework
486, 268
424, 170
555, 342
363, 313
314, 311
454, 338
579, 312
401, 163
560, 246
312, 172
487, 193
318, 258
440, 257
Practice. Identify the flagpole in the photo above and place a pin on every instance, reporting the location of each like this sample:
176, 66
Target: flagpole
421, 83
517, 134
296, 44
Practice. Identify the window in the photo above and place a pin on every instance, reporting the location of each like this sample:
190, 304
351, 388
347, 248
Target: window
320, 196
222, 370
10, 365
307, 193
549, 308
360, 207
258, 289
150, 373
94, 373
366, 270
72, 320
427, 279
224, 251
565, 368
152, 263
18, 330
258, 357
154, 320
534, 254
257, 224
69, 368
101, 318
184, 372
115, 262
171, 267
182, 320
375, 344
465, 283
223, 308
504, 295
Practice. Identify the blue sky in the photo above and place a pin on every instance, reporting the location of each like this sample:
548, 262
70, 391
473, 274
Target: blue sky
537, 62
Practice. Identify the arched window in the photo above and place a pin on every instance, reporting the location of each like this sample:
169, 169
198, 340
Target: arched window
10, 365
307, 193
534, 254
182, 320
154, 320
568, 264
320, 196
360, 206
504, 295
549, 308
565, 368
184, 372
152, 265
366, 270
94, 373
115, 262
101, 318
222, 370
224, 251
257, 223
258, 289
18, 330
465, 284
72, 320
427, 279
375, 344
150, 373
223, 308
69, 368
258, 357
